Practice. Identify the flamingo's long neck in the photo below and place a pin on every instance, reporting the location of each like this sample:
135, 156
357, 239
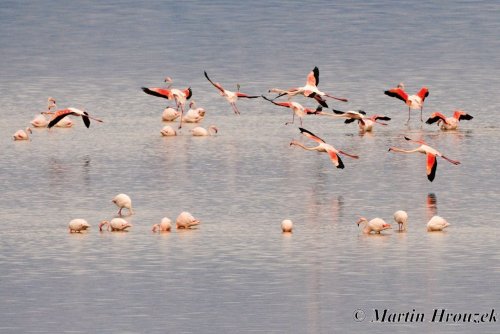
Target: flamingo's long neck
400, 150
305, 147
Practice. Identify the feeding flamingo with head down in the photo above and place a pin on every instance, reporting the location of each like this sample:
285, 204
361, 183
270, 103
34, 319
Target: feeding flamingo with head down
230, 96
179, 96
78, 225
170, 114
310, 89
185, 220
168, 131
164, 226
60, 114
123, 201
297, 109
431, 154
401, 217
448, 123
437, 223
376, 225
115, 225
323, 147
412, 101
287, 226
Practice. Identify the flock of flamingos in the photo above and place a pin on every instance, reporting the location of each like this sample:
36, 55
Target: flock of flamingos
309, 90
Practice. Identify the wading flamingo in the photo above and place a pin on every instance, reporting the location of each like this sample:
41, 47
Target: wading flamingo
168, 131
297, 109
186, 220
39, 121
164, 226
60, 114
170, 114
179, 96
123, 201
116, 224
431, 154
230, 96
194, 115
200, 131
287, 226
309, 90
412, 101
449, 123
437, 224
78, 225
22, 134
323, 147
375, 225
401, 217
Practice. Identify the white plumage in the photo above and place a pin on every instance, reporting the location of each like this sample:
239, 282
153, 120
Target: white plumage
123, 201
78, 225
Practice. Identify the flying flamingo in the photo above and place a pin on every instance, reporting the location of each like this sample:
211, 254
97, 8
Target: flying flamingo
297, 109
323, 147
310, 89
448, 123
22, 134
179, 96
78, 225
412, 101
401, 217
185, 220
365, 123
437, 223
60, 114
287, 226
164, 226
123, 201
375, 225
168, 131
200, 131
431, 154
116, 224
230, 96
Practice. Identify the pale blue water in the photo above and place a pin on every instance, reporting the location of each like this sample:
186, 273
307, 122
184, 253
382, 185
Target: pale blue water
237, 272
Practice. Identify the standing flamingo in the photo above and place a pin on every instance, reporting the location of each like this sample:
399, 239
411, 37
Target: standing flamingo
401, 217
297, 109
164, 226
437, 223
412, 101
116, 224
78, 225
448, 123
323, 147
375, 225
60, 114
22, 134
310, 89
230, 96
179, 96
123, 201
431, 154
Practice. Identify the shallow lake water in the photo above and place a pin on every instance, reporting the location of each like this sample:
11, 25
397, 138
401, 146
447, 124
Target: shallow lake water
237, 272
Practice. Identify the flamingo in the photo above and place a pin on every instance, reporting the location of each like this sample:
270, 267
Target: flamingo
297, 109
168, 131
323, 147
310, 89
116, 224
60, 114
200, 131
51, 104
437, 223
194, 115
287, 226
185, 220
22, 134
39, 121
365, 123
179, 96
170, 114
123, 201
401, 217
78, 225
449, 123
230, 96
164, 226
375, 225
412, 101
431, 154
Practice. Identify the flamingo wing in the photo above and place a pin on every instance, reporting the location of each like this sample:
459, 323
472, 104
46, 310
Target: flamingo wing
460, 115
86, 119
335, 159
313, 77
319, 99
378, 117
238, 94
311, 135
431, 166
397, 93
215, 84
423, 93
188, 93
436, 117
58, 115
158, 92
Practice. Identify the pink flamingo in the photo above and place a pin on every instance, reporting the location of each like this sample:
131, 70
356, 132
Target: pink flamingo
376, 225
179, 96
297, 109
449, 123
412, 101
60, 114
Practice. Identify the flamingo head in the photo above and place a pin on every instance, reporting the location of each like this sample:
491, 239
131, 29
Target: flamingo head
28, 130
102, 223
386, 226
168, 79
401, 86
361, 220
214, 128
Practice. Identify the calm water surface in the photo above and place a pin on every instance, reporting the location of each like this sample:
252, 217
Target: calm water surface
237, 272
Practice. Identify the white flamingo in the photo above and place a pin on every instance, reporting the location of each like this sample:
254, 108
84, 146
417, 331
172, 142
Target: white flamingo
164, 226
168, 131
200, 131
401, 217
22, 134
185, 220
170, 114
194, 115
375, 225
116, 224
437, 223
287, 226
39, 121
78, 225
123, 201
